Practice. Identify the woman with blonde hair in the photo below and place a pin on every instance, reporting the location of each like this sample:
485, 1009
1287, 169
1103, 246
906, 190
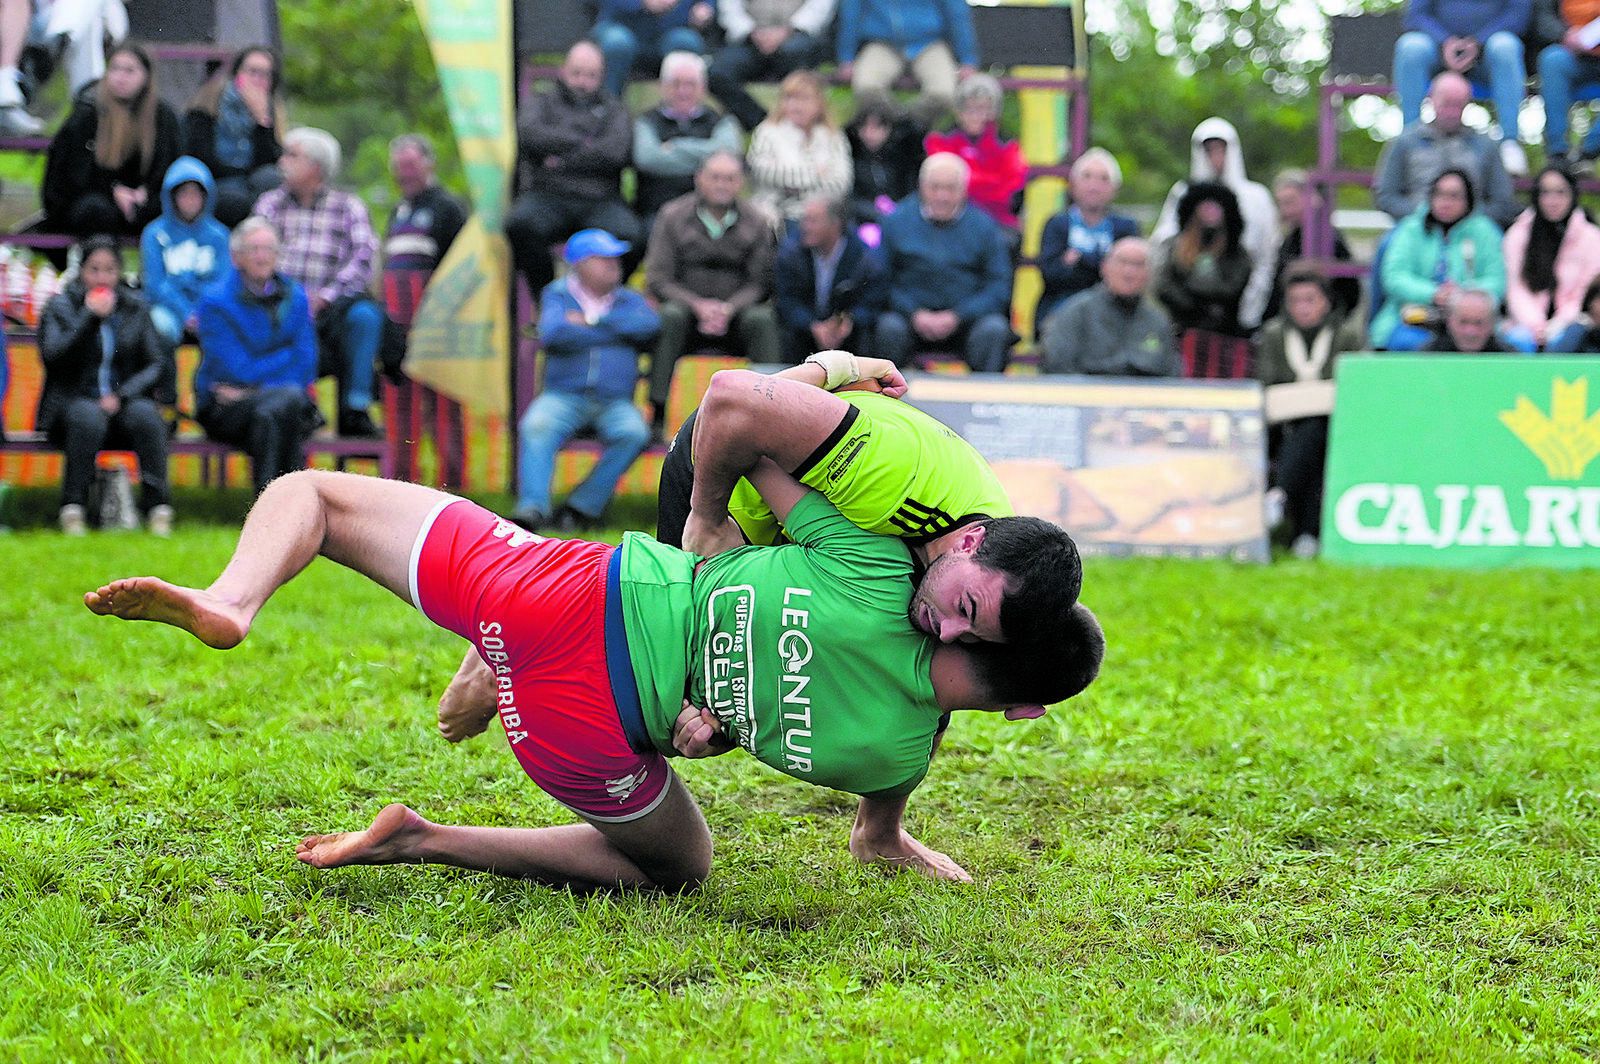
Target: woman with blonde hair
104, 168
797, 153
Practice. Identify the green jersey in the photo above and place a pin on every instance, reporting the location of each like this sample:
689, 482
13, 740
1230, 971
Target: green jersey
892, 469
803, 652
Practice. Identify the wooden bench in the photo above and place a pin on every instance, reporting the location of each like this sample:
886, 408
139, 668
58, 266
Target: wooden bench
26, 378
213, 456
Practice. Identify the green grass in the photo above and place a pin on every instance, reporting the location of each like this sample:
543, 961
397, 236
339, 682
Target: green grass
1307, 814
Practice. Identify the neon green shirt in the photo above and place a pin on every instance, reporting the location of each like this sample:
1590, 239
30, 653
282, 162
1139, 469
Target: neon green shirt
892, 469
804, 653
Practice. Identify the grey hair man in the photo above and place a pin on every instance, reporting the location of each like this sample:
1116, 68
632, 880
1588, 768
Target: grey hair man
672, 139
329, 247
1471, 321
1112, 328
949, 274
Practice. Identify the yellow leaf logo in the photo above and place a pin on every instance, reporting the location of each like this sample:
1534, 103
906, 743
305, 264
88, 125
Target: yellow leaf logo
1566, 439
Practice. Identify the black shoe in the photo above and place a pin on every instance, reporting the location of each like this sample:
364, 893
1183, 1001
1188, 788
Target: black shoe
568, 521
531, 519
357, 424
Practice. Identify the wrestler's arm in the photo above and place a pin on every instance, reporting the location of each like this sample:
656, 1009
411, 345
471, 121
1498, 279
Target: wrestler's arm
815, 373
748, 416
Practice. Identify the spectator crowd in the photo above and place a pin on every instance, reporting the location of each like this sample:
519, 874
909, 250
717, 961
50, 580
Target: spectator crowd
774, 234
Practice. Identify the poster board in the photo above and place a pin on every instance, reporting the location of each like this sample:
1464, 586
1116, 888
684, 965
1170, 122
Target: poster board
1128, 466
1465, 460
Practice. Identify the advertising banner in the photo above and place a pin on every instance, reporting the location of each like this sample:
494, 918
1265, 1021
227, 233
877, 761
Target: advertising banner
1128, 466
460, 342
1464, 461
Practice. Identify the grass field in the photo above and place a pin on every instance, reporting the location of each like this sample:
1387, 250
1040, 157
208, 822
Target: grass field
1306, 814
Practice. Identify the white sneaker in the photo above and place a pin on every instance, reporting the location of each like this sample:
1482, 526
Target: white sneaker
15, 122
10, 89
160, 521
1305, 546
1513, 158
73, 521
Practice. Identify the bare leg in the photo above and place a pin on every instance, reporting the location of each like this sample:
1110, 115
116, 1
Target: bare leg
361, 522
670, 849
468, 704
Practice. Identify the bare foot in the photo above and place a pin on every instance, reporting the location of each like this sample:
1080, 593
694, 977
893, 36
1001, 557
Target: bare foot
209, 619
468, 704
387, 841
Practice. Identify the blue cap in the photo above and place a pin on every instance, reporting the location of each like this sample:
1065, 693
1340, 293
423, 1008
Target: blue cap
588, 242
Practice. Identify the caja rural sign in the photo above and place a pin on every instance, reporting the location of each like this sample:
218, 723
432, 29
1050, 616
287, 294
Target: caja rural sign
1465, 461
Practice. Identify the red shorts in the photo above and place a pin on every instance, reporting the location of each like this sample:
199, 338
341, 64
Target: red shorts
535, 609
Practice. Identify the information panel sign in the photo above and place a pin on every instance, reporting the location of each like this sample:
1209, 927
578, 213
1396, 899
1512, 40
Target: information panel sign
1465, 461
1128, 466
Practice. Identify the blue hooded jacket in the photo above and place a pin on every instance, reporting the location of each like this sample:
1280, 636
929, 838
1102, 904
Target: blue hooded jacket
182, 259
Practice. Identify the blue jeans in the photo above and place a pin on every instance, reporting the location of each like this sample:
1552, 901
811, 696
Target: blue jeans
1562, 73
550, 421
1409, 338
354, 341
742, 61
1565, 342
623, 48
984, 343
1501, 68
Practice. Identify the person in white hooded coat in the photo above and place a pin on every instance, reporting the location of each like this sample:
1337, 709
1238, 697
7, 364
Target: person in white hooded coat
1260, 210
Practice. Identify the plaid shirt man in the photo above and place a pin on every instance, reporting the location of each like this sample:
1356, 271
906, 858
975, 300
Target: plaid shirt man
329, 247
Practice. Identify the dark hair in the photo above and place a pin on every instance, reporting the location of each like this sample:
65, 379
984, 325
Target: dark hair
1429, 221
99, 242
1545, 236
1591, 294
1039, 673
208, 98
874, 104
1308, 271
1199, 192
1043, 570
258, 49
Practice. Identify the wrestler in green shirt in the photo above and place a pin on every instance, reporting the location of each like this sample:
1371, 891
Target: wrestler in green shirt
774, 650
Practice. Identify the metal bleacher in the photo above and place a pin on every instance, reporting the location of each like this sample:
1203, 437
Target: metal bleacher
1360, 63
1025, 46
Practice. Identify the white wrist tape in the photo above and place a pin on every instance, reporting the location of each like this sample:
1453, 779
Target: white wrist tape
840, 368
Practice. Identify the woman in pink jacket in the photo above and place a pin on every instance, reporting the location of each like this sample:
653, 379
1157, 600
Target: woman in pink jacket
999, 170
1552, 252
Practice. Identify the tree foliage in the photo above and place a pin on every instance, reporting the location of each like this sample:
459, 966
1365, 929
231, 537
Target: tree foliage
1155, 74
362, 70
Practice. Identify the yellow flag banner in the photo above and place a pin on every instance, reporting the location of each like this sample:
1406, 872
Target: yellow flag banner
461, 337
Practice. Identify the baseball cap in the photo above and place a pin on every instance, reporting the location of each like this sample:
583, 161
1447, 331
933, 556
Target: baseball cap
588, 242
